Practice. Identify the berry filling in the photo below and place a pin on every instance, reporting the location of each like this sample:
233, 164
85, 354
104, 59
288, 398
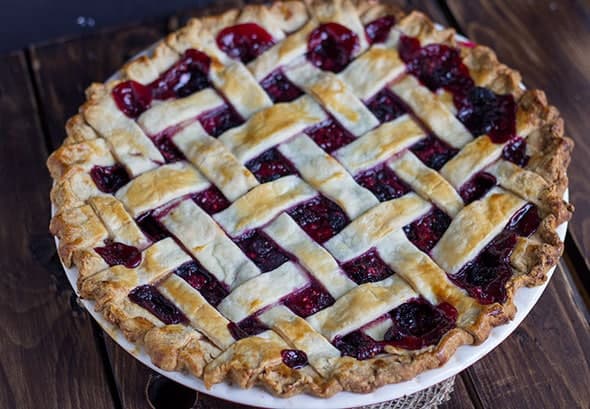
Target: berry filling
378, 30
309, 300
200, 279
367, 268
244, 41
484, 112
248, 327
417, 324
433, 152
211, 200
109, 179
270, 166
332, 46
115, 254
515, 152
219, 120
262, 250
427, 231
132, 98
386, 106
187, 76
148, 297
525, 222
294, 358
329, 135
383, 182
167, 148
477, 187
151, 227
279, 88
358, 345
320, 218
436, 66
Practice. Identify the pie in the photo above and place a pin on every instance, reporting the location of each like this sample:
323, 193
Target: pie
312, 196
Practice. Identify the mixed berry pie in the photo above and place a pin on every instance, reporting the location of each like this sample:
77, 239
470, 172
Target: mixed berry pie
310, 196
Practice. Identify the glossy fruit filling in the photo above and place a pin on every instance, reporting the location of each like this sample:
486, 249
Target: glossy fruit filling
378, 30
169, 151
200, 279
262, 250
248, 327
114, 254
294, 358
485, 277
332, 46
132, 98
320, 218
219, 120
329, 135
358, 345
386, 106
427, 230
436, 65
515, 152
244, 42
433, 152
383, 182
367, 268
151, 227
211, 200
484, 112
187, 76
279, 88
477, 187
417, 324
148, 297
309, 300
109, 179
270, 166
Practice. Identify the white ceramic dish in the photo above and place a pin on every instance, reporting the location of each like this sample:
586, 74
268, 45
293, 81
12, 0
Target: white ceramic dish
466, 355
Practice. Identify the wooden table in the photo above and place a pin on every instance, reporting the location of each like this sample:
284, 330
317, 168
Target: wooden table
54, 355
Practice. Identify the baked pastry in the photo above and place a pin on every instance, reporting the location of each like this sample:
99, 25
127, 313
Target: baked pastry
310, 196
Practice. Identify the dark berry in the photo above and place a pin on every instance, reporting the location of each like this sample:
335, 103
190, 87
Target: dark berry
148, 297
309, 300
187, 76
358, 345
383, 182
433, 152
115, 254
262, 250
270, 166
244, 41
332, 46
219, 120
477, 187
367, 268
386, 106
427, 231
515, 152
378, 30
132, 98
329, 135
211, 200
320, 218
200, 279
279, 88
109, 179
294, 358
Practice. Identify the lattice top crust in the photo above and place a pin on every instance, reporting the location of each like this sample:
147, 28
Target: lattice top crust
312, 197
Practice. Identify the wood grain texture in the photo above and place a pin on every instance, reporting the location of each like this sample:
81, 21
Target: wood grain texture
460, 398
547, 41
49, 356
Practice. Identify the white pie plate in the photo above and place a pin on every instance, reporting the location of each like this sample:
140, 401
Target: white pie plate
466, 355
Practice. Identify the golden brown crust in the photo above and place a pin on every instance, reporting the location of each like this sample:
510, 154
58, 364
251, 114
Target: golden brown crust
255, 360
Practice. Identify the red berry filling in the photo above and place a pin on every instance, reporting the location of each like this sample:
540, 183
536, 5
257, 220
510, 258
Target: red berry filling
294, 358
386, 106
148, 297
169, 151
329, 135
115, 254
427, 231
109, 179
515, 152
151, 227
270, 166
309, 300
525, 222
484, 112
248, 327
262, 250
417, 324
320, 218
200, 279
186, 77
244, 41
219, 120
367, 268
132, 98
436, 66
477, 187
358, 345
211, 200
279, 88
332, 46
378, 30
383, 182
433, 152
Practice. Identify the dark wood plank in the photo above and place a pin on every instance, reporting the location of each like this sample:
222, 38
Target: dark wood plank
460, 398
49, 356
547, 41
